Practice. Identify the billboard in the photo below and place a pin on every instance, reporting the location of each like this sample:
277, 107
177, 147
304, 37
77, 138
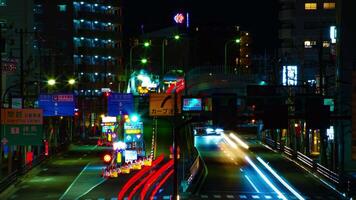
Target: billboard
290, 75
57, 104
192, 104
120, 104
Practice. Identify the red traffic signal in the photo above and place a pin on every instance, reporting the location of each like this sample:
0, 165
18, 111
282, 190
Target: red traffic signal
107, 94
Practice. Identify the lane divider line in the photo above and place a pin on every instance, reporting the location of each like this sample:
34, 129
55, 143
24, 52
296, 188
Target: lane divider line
71, 185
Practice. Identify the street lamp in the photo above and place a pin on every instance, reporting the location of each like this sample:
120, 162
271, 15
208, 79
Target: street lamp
51, 82
144, 60
164, 43
145, 44
237, 41
71, 81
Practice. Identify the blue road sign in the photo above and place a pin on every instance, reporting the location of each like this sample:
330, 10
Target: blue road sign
57, 104
120, 104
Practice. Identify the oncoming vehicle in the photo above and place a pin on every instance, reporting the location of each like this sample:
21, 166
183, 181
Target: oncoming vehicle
207, 130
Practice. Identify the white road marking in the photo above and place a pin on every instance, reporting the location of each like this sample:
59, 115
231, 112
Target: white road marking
71, 185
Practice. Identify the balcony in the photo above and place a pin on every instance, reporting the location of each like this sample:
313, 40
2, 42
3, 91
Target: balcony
105, 2
286, 15
105, 17
98, 34
114, 52
98, 68
285, 33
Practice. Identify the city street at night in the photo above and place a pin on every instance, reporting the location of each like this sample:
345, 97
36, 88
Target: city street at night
177, 100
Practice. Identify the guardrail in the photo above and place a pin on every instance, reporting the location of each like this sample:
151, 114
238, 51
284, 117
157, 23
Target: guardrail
307, 162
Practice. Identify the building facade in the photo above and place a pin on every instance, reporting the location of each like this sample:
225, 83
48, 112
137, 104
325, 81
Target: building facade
98, 52
18, 51
305, 34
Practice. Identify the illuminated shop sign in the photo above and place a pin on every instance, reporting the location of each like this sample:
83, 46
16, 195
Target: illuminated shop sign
290, 75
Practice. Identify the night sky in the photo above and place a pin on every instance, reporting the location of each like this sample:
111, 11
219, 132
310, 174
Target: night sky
260, 17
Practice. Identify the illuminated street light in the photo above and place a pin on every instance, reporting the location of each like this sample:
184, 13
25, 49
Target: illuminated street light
71, 81
51, 82
146, 44
144, 60
237, 41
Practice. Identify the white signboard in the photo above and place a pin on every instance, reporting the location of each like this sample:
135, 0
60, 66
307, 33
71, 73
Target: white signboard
130, 155
290, 75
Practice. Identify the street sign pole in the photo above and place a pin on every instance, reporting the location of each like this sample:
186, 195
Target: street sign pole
175, 151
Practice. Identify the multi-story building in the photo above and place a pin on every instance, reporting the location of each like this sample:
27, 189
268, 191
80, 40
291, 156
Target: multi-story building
306, 34
18, 53
97, 42
82, 40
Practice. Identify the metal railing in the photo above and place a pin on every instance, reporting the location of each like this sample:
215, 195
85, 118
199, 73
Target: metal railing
307, 162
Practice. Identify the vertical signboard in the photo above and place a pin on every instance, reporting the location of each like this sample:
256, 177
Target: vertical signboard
290, 75
22, 126
120, 104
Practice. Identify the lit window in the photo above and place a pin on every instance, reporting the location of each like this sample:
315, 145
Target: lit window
2, 2
326, 44
329, 6
62, 8
309, 43
310, 6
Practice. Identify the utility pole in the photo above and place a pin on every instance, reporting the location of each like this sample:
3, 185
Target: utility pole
1, 45
21, 69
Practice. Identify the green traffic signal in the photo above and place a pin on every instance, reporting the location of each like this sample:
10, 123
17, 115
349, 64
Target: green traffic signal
238, 40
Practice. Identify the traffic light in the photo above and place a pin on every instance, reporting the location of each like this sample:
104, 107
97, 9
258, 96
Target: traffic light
76, 112
107, 158
106, 94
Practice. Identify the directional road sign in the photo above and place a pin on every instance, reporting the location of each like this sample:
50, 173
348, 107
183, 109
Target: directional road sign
161, 104
120, 104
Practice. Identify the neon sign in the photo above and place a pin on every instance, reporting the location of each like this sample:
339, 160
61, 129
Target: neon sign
179, 18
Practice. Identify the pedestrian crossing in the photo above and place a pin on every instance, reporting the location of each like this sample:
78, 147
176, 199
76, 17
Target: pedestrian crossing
254, 196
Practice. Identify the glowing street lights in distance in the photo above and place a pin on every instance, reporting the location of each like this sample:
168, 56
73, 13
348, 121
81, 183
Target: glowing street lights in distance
51, 82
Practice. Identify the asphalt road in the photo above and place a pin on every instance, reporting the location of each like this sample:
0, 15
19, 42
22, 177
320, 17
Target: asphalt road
59, 176
232, 176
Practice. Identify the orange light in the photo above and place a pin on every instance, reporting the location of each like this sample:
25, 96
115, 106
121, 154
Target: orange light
107, 158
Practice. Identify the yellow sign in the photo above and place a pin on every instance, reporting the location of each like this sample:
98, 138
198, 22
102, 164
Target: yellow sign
161, 104
118, 157
133, 131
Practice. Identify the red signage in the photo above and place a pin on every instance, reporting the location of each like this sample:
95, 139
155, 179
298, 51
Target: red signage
21, 117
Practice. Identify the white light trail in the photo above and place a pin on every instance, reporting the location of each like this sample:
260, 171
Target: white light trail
280, 179
239, 141
265, 178
229, 141
253, 185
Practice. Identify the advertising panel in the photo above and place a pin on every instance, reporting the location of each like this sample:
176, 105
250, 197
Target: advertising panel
130, 155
